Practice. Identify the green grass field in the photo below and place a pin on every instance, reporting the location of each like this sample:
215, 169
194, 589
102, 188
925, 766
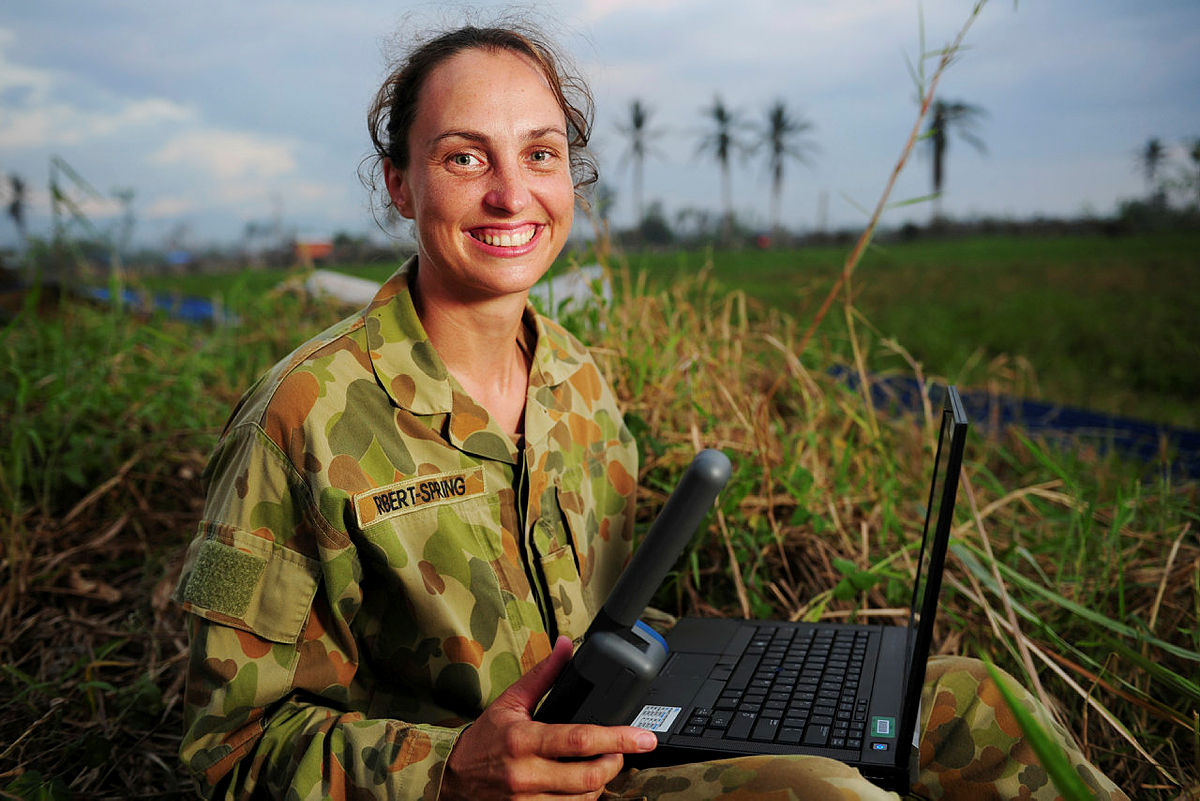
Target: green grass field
1068, 568
1107, 323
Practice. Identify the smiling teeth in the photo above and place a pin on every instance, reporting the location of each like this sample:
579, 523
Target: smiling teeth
507, 240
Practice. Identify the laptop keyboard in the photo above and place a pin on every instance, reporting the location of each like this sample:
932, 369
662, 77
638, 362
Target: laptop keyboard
792, 686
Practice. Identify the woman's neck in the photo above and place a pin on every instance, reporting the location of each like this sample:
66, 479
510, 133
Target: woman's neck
481, 345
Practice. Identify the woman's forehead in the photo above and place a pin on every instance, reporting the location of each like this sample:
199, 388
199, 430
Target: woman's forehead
479, 83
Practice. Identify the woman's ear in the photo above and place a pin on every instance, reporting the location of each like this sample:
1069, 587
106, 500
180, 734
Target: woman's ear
397, 187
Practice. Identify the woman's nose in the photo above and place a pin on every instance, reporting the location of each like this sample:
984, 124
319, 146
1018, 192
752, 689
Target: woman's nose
509, 190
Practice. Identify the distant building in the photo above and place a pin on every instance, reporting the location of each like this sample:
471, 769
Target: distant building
309, 252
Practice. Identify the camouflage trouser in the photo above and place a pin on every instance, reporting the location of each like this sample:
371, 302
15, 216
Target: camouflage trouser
971, 748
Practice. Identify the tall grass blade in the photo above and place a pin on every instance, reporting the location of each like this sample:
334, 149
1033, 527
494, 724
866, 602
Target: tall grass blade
961, 549
1054, 759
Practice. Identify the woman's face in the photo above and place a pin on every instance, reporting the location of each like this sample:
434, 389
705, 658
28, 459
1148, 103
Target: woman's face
488, 181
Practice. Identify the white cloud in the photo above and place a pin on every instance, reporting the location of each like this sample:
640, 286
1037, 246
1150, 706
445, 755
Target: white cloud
311, 191
169, 207
227, 155
99, 208
34, 117
19, 77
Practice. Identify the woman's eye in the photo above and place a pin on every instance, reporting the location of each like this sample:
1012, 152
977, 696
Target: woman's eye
541, 155
465, 160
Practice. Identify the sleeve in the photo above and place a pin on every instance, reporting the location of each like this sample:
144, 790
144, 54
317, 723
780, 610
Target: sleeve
275, 699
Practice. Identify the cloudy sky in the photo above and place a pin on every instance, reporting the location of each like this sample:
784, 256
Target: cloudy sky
228, 113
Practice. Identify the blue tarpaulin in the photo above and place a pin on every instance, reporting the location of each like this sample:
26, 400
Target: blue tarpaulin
188, 309
1155, 444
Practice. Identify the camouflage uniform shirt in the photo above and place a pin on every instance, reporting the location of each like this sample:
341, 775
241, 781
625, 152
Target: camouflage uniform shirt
378, 560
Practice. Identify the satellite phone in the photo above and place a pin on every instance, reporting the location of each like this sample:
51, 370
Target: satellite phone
620, 655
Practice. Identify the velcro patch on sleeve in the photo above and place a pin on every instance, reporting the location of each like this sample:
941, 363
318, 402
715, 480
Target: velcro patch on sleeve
224, 579
384, 503
252, 584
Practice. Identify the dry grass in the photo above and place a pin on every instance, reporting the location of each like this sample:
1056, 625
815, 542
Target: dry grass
1070, 571
91, 645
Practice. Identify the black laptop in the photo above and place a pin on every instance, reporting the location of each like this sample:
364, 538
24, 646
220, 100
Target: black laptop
719, 688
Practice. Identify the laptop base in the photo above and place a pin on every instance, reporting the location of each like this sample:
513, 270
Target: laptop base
740, 688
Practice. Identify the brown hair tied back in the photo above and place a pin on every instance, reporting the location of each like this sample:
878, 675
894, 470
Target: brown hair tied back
392, 113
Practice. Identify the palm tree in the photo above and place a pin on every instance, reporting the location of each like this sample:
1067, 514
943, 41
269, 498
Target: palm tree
639, 132
947, 115
781, 138
723, 141
16, 206
1152, 156
1194, 154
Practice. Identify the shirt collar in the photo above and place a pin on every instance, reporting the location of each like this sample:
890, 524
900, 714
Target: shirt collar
408, 368
414, 376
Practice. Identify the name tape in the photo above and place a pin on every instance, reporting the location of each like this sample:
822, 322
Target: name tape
383, 503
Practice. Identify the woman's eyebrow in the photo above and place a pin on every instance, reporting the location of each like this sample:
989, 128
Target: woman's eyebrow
468, 135
540, 132
476, 136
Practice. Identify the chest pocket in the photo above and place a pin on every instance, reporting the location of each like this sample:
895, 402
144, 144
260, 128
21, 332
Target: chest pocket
448, 600
560, 570
579, 564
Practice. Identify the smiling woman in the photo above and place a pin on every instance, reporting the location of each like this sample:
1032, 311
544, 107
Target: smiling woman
487, 179
481, 139
407, 513
391, 115
412, 517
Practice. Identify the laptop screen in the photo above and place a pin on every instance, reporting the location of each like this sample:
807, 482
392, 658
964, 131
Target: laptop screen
934, 542
932, 514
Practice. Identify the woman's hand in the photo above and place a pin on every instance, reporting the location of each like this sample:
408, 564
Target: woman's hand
507, 754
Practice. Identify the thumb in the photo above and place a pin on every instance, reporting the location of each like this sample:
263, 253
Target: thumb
526, 691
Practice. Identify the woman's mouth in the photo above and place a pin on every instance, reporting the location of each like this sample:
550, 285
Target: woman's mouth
504, 237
